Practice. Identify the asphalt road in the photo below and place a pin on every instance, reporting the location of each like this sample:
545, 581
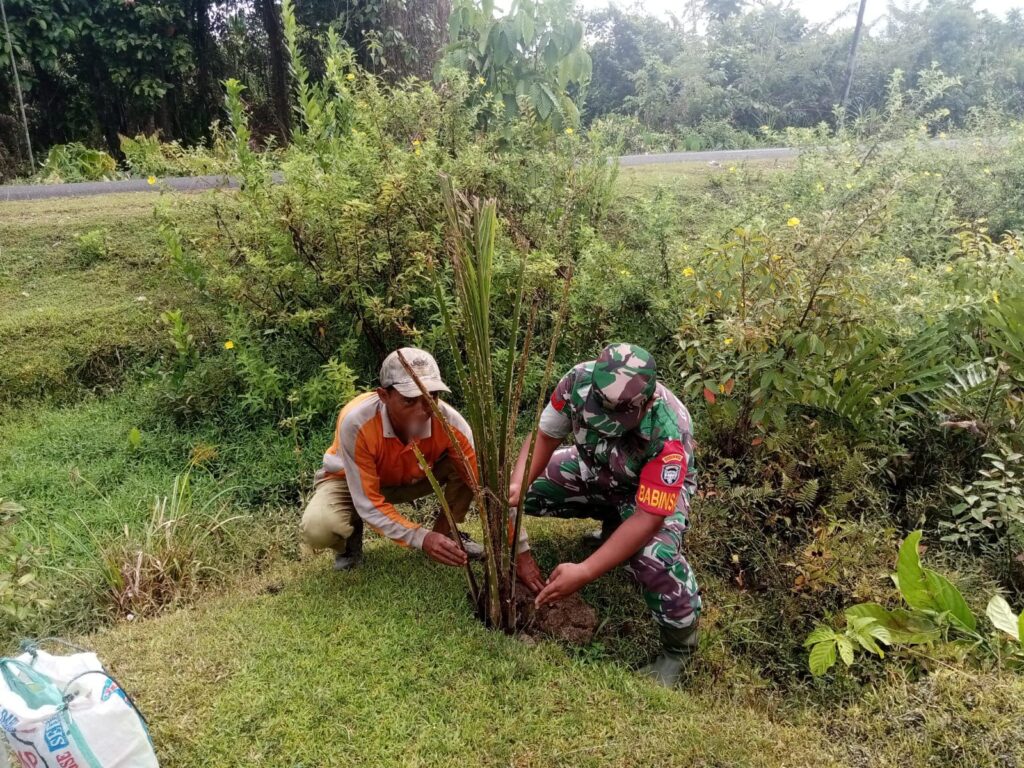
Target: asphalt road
12, 192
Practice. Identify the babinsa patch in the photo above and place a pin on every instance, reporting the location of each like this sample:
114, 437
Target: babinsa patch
670, 473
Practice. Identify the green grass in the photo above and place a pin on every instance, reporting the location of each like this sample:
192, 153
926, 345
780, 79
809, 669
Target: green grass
689, 177
71, 318
81, 482
385, 666
285, 663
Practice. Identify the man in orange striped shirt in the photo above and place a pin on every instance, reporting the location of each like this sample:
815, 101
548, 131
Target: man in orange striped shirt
371, 466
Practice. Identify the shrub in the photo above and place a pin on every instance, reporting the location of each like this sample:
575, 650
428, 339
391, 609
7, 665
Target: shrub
76, 162
91, 247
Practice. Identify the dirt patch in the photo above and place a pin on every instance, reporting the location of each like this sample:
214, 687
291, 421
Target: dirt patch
570, 620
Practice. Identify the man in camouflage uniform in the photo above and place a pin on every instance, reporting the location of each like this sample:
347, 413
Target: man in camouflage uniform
630, 465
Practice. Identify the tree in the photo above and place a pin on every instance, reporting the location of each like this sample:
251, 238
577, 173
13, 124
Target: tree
853, 52
534, 53
270, 15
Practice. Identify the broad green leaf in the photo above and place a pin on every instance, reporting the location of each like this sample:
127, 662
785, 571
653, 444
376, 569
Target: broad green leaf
1002, 617
822, 657
819, 634
868, 643
872, 610
845, 649
902, 626
910, 576
947, 598
1020, 629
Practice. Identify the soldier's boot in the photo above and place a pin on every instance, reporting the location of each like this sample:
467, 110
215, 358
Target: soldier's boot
597, 537
353, 554
678, 646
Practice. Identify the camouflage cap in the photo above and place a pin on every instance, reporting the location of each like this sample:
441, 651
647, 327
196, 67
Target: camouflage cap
622, 382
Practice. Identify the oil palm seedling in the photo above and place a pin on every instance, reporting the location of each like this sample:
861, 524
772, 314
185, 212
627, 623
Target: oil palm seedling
472, 227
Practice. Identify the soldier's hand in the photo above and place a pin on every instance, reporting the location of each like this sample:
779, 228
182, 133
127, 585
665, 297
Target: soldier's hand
442, 549
528, 572
565, 580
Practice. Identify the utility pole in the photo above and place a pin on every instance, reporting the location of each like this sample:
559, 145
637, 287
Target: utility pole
17, 88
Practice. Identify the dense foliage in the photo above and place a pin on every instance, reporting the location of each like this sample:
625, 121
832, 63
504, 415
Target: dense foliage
727, 75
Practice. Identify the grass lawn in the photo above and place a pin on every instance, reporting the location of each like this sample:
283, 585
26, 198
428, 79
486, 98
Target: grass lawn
82, 284
384, 666
283, 662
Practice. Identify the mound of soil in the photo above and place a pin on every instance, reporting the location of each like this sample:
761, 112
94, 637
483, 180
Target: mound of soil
570, 620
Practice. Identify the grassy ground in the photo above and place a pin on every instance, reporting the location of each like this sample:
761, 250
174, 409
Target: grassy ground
82, 284
285, 663
385, 666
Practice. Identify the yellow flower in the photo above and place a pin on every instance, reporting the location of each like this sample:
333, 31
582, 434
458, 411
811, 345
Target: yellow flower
418, 151
415, 142
732, 169
151, 180
988, 171
902, 260
995, 296
949, 268
820, 187
350, 76
849, 185
718, 294
793, 222
727, 341
480, 81
688, 272
229, 344
776, 257
569, 131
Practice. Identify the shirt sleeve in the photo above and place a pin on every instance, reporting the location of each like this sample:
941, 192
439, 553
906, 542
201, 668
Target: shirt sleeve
662, 481
364, 487
554, 420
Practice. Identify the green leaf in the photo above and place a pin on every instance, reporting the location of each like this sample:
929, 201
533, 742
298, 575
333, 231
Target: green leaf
1003, 618
822, 657
910, 576
947, 598
903, 627
820, 634
845, 649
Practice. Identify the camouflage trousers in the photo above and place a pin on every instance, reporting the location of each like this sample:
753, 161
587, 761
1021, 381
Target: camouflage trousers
659, 567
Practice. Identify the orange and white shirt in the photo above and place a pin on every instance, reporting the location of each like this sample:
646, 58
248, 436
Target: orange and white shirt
368, 454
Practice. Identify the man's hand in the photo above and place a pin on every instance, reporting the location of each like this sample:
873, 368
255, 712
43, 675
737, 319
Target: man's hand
441, 549
565, 580
513, 495
528, 572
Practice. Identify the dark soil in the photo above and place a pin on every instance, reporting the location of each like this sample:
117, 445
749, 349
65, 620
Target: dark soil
570, 620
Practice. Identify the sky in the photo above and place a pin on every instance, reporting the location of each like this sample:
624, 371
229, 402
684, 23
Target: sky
815, 10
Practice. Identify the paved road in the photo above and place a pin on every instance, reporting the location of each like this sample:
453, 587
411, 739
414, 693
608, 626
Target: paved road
717, 156
198, 183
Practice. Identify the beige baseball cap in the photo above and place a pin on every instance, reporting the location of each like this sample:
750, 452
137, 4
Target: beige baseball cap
393, 373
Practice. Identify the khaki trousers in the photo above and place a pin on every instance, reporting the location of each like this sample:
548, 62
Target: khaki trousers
330, 519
